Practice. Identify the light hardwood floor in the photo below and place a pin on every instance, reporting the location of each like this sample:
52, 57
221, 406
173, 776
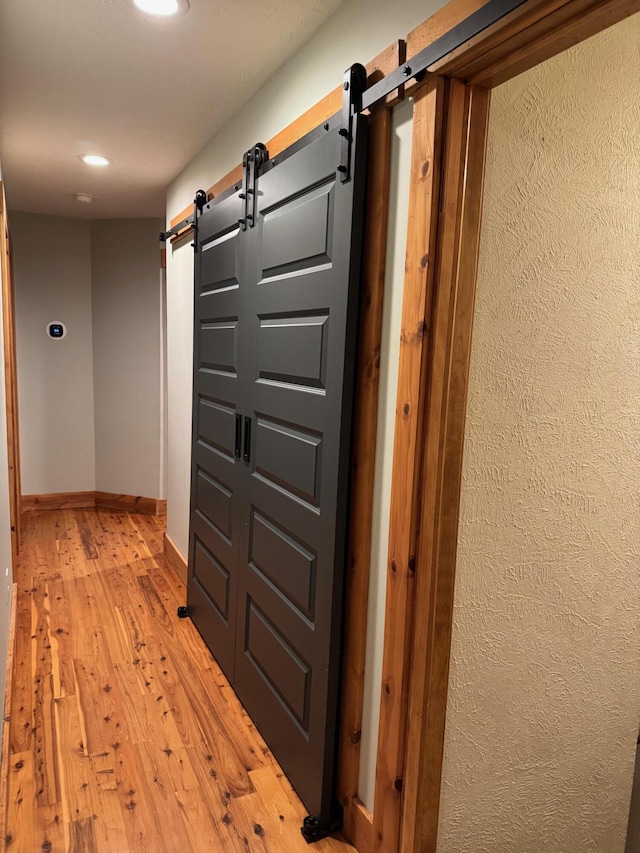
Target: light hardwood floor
124, 734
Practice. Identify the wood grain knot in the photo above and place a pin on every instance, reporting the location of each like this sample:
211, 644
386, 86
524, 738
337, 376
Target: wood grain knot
398, 784
387, 689
424, 261
412, 564
394, 566
355, 736
258, 829
406, 409
426, 168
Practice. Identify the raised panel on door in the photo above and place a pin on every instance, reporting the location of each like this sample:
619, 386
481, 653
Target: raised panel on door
301, 307
216, 475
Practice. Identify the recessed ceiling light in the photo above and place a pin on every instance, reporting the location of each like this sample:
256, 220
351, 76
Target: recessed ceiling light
95, 159
83, 198
163, 8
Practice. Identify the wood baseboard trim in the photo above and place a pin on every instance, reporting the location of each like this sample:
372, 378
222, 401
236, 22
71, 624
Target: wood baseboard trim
4, 766
90, 500
175, 558
127, 503
58, 500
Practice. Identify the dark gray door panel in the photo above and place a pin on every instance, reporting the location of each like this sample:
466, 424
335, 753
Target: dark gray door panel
216, 476
301, 305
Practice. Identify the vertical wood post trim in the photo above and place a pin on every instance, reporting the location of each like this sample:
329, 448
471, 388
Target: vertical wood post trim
451, 326
10, 377
358, 826
407, 457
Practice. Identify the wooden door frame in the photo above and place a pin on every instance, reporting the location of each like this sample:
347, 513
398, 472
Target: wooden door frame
534, 33
451, 107
10, 378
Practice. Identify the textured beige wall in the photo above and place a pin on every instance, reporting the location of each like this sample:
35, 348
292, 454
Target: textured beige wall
544, 694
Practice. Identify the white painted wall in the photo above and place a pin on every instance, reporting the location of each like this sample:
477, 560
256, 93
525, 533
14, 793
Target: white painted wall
6, 573
544, 696
388, 389
52, 279
179, 392
127, 356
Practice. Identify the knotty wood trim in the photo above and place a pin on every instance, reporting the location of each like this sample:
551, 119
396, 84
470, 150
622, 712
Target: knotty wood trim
10, 377
447, 379
6, 719
556, 33
89, 500
439, 23
126, 503
388, 60
357, 822
531, 34
407, 459
175, 558
58, 500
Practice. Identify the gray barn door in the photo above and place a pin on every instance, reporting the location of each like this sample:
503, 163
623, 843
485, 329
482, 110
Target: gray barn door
269, 528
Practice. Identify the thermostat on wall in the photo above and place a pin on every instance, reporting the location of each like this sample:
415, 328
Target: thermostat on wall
56, 330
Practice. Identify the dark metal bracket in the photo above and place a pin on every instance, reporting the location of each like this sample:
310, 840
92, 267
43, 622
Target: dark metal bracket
187, 222
183, 612
251, 162
313, 830
199, 201
354, 83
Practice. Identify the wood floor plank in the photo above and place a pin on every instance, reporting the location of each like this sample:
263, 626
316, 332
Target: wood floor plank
21, 803
60, 638
125, 736
22, 698
74, 772
101, 708
49, 830
204, 828
44, 730
109, 828
92, 624
83, 838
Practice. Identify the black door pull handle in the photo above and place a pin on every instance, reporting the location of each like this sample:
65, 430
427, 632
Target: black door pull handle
247, 439
238, 436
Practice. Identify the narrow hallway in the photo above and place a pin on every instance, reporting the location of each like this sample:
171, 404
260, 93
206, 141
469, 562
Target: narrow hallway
124, 734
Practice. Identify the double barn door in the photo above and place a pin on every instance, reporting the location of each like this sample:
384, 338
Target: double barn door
274, 349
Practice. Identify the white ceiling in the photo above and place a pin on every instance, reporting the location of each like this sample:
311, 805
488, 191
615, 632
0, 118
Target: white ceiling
80, 76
